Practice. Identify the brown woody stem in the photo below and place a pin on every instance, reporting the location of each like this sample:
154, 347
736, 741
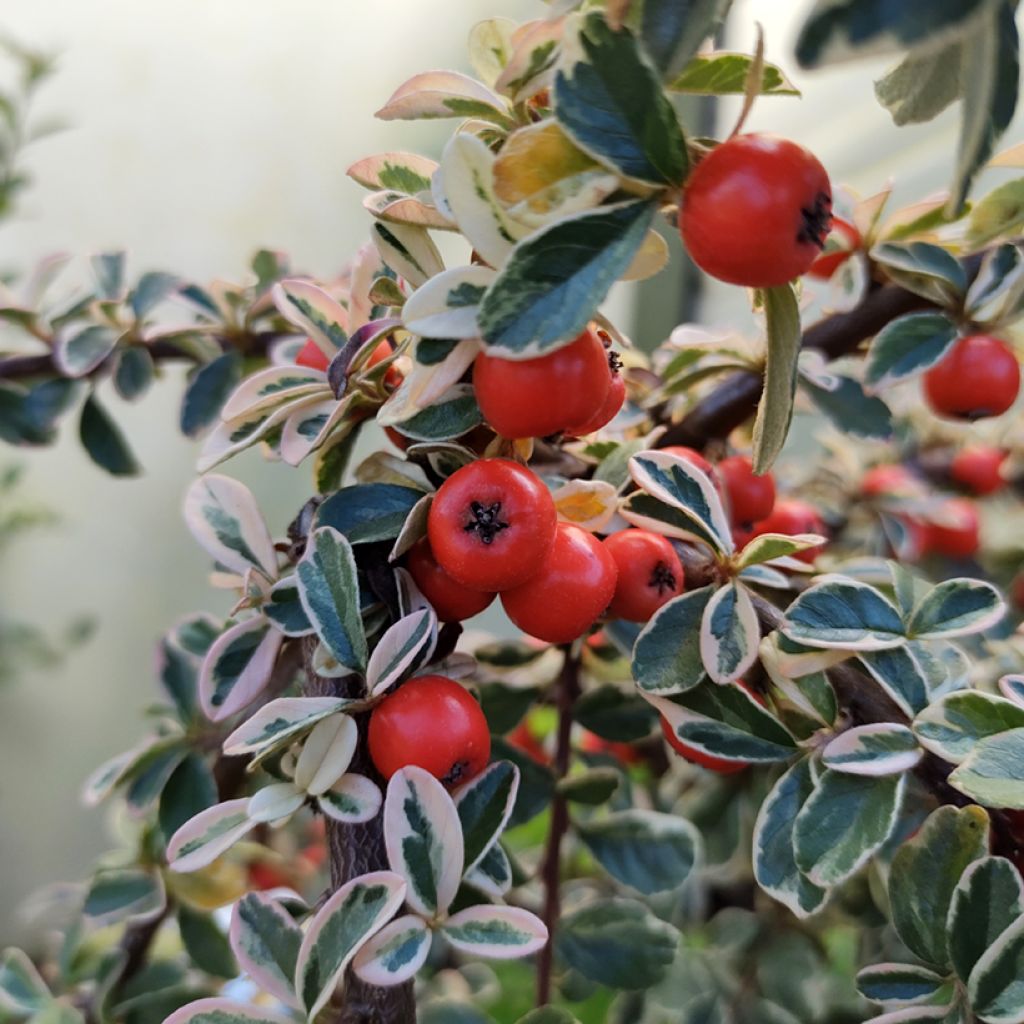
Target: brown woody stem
567, 689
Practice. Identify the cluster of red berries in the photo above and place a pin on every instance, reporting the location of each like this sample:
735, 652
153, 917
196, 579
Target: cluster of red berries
574, 390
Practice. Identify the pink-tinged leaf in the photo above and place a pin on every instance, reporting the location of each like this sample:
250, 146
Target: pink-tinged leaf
224, 1011
271, 387
434, 94
534, 54
238, 667
282, 721
423, 837
412, 211
276, 803
490, 47
102, 782
408, 250
1012, 687
446, 306
395, 953
202, 839
306, 430
402, 172
498, 933
352, 799
366, 269
357, 911
424, 385
266, 941
314, 312
326, 754
225, 520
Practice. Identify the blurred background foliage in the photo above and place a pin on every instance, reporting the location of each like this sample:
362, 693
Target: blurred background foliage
201, 132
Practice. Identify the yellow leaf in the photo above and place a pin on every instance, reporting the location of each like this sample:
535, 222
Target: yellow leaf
589, 504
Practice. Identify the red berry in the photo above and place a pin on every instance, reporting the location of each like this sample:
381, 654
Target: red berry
977, 468
433, 723
312, 357
889, 479
843, 240
573, 588
492, 524
978, 377
608, 411
751, 497
649, 573
756, 211
957, 536
625, 753
523, 738
792, 516
538, 397
692, 754
392, 377
451, 600
263, 876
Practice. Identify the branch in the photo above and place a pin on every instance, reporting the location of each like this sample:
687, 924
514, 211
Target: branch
735, 400
567, 690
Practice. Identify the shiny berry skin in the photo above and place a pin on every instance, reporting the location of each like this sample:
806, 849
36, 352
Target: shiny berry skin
650, 573
451, 600
889, 479
312, 357
847, 240
958, 535
695, 756
433, 723
751, 497
756, 211
977, 467
977, 378
538, 397
608, 411
572, 589
792, 516
492, 524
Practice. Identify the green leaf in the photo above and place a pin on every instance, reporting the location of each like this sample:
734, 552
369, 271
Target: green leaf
104, 442
612, 106
898, 672
844, 822
618, 943
997, 214
266, 941
922, 85
952, 726
120, 894
906, 347
536, 784
775, 866
990, 74
329, 591
353, 914
898, 983
557, 277
205, 943
191, 789
46, 402
850, 409
108, 269
775, 409
720, 73
726, 722
925, 872
79, 353
729, 634
837, 30
152, 288
613, 715
925, 269
238, 667
134, 373
207, 391
996, 987
22, 990
224, 1011
202, 839
882, 748
666, 656
402, 649
455, 413
365, 513
548, 1015
594, 786
648, 851
499, 933
395, 953
673, 30
993, 772
842, 613
956, 608
988, 899
485, 805
423, 837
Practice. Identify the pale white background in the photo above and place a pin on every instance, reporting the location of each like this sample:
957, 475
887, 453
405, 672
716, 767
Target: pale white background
203, 129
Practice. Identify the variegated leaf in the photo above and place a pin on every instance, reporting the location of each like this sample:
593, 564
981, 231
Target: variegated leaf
898, 983
1012, 688
408, 250
124, 894
427, 384
314, 312
956, 608
666, 658
844, 614
284, 609
993, 772
281, 721
308, 428
224, 1011
434, 94
951, 726
403, 172
446, 306
729, 634
265, 940
238, 667
403, 648
357, 911
411, 211
882, 748
497, 933
329, 591
223, 517
79, 352
202, 839
352, 799
423, 837
274, 386
485, 804
276, 803
395, 953
22, 991
769, 546
326, 754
